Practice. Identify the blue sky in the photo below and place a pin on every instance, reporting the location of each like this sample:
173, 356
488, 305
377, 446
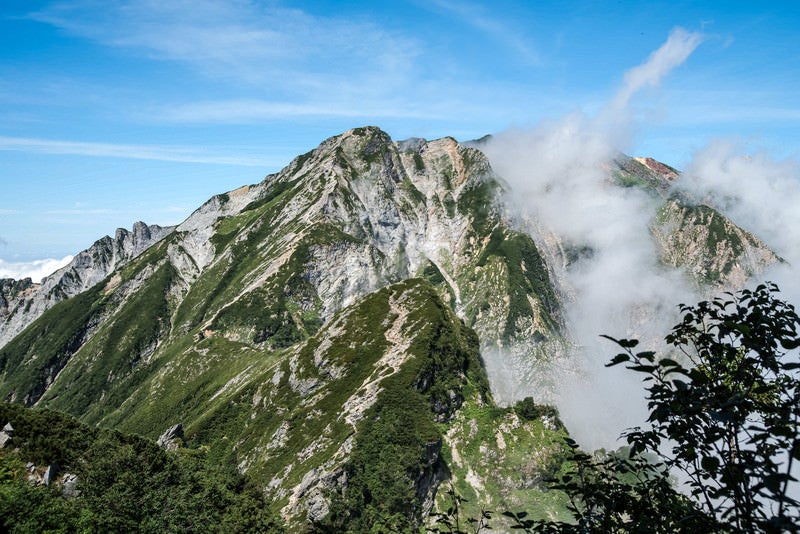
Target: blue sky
112, 112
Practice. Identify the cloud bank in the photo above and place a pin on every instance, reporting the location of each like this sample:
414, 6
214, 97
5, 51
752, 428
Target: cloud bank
35, 270
558, 175
758, 193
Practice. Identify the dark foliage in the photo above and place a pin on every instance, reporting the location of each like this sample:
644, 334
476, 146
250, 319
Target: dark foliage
729, 417
724, 417
126, 483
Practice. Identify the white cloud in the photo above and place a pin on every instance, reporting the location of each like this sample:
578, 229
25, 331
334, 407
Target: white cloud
671, 54
36, 270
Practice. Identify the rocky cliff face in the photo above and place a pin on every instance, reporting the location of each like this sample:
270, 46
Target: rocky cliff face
713, 251
295, 327
11, 292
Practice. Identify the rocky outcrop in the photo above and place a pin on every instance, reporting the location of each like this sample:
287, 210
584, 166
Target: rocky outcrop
172, 438
6, 434
645, 173
69, 486
11, 292
50, 474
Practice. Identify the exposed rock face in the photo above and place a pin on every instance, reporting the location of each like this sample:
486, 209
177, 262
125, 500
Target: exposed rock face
11, 291
647, 173
172, 438
430, 478
664, 171
22, 302
50, 474
6, 434
711, 248
69, 486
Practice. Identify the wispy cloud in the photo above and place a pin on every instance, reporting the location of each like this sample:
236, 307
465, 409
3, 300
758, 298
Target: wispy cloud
479, 18
35, 270
254, 110
251, 41
557, 177
80, 211
110, 150
679, 45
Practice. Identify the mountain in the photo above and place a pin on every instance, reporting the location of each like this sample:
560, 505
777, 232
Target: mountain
329, 330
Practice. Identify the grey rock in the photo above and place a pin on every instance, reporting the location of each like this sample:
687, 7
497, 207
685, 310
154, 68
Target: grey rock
434, 473
22, 301
69, 486
50, 474
5, 434
172, 438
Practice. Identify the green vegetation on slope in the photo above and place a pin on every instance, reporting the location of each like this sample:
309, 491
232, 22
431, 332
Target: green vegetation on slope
54, 338
396, 461
527, 276
124, 483
503, 459
106, 369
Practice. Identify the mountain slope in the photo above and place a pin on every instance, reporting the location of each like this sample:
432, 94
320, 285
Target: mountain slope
692, 235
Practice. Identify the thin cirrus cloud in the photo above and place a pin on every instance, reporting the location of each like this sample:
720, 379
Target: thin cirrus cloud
477, 17
252, 42
80, 211
110, 150
253, 110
